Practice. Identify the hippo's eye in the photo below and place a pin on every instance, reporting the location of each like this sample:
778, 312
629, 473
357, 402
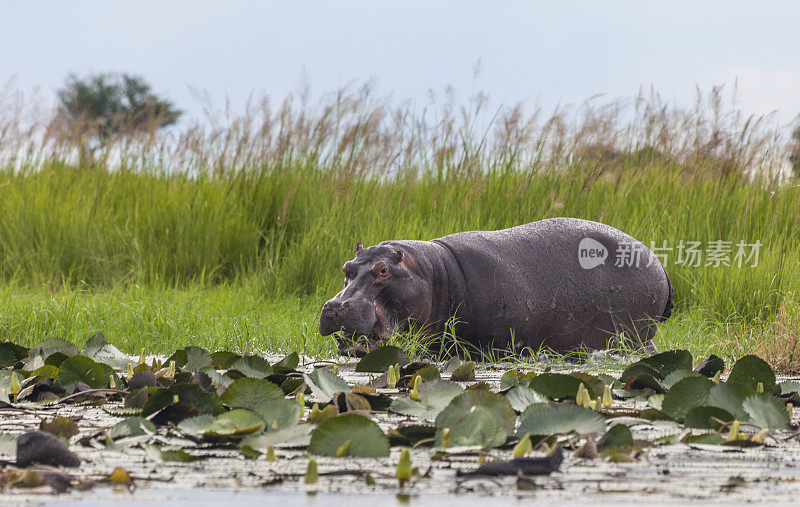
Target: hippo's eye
384, 270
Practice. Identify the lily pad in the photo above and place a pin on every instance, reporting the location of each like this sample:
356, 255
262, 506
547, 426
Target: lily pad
547, 419
556, 386
191, 401
379, 360
287, 364
711, 366
324, 384
251, 393
366, 439
10, 353
704, 417
197, 358
617, 435
730, 396
521, 397
131, 427
476, 418
685, 395
434, 396
252, 366
81, 369
667, 362
676, 376
766, 411
752, 370
464, 373
235, 422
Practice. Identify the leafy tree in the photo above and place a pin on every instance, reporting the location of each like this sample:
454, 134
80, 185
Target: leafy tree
102, 106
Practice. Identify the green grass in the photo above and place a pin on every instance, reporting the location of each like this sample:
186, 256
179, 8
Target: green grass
245, 240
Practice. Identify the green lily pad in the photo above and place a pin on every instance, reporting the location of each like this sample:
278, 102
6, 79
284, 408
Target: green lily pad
477, 418
279, 414
298, 435
617, 435
53, 345
251, 393
287, 364
379, 360
637, 369
366, 439
192, 400
223, 359
177, 455
197, 358
667, 362
324, 384
434, 396
685, 395
703, 417
235, 422
521, 397
676, 376
555, 386
81, 369
752, 370
790, 386
730, 396
711, 366
10, 353
252, 366
131, 427
704, 438
766, 411
464, 373
547, 419
593, 384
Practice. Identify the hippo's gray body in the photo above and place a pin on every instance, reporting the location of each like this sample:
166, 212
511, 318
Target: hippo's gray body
547, 284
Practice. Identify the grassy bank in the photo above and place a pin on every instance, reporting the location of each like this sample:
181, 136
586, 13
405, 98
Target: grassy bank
244, 241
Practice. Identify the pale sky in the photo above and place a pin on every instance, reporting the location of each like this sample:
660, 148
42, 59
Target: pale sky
545, 52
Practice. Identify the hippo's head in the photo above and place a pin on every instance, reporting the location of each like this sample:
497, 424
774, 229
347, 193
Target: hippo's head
381, 288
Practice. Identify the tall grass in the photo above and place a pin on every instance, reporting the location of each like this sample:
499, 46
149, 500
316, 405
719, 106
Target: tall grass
277, 198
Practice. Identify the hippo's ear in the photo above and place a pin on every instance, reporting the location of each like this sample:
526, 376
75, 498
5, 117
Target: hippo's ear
397, 256
359, 246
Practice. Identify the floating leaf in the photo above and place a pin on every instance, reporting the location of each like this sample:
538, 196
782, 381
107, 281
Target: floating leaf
197, 358
711, 366
477, 418
191, 401
617, 435
298, 435
253, 366
546, 419
251, 393
60, 427
82, 369
464, 373
427, 374
790, 386
637, 369
676, 376
223, 359
521, 397
685, 395
131, 427
235, 422
766, 411
10, 353
367, 440
704, 417
556, 386
752, 370
434, 396
178, 455
379, 360
324, 384
53, 345
287, 365
729, 397
592, 383
667, 362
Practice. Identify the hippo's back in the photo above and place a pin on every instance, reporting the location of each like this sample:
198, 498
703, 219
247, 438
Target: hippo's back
560, 282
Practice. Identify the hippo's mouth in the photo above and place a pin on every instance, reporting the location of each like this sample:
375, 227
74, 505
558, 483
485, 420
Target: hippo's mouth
359, 344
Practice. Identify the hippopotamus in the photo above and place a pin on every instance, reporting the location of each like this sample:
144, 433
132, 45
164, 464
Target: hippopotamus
559, 283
